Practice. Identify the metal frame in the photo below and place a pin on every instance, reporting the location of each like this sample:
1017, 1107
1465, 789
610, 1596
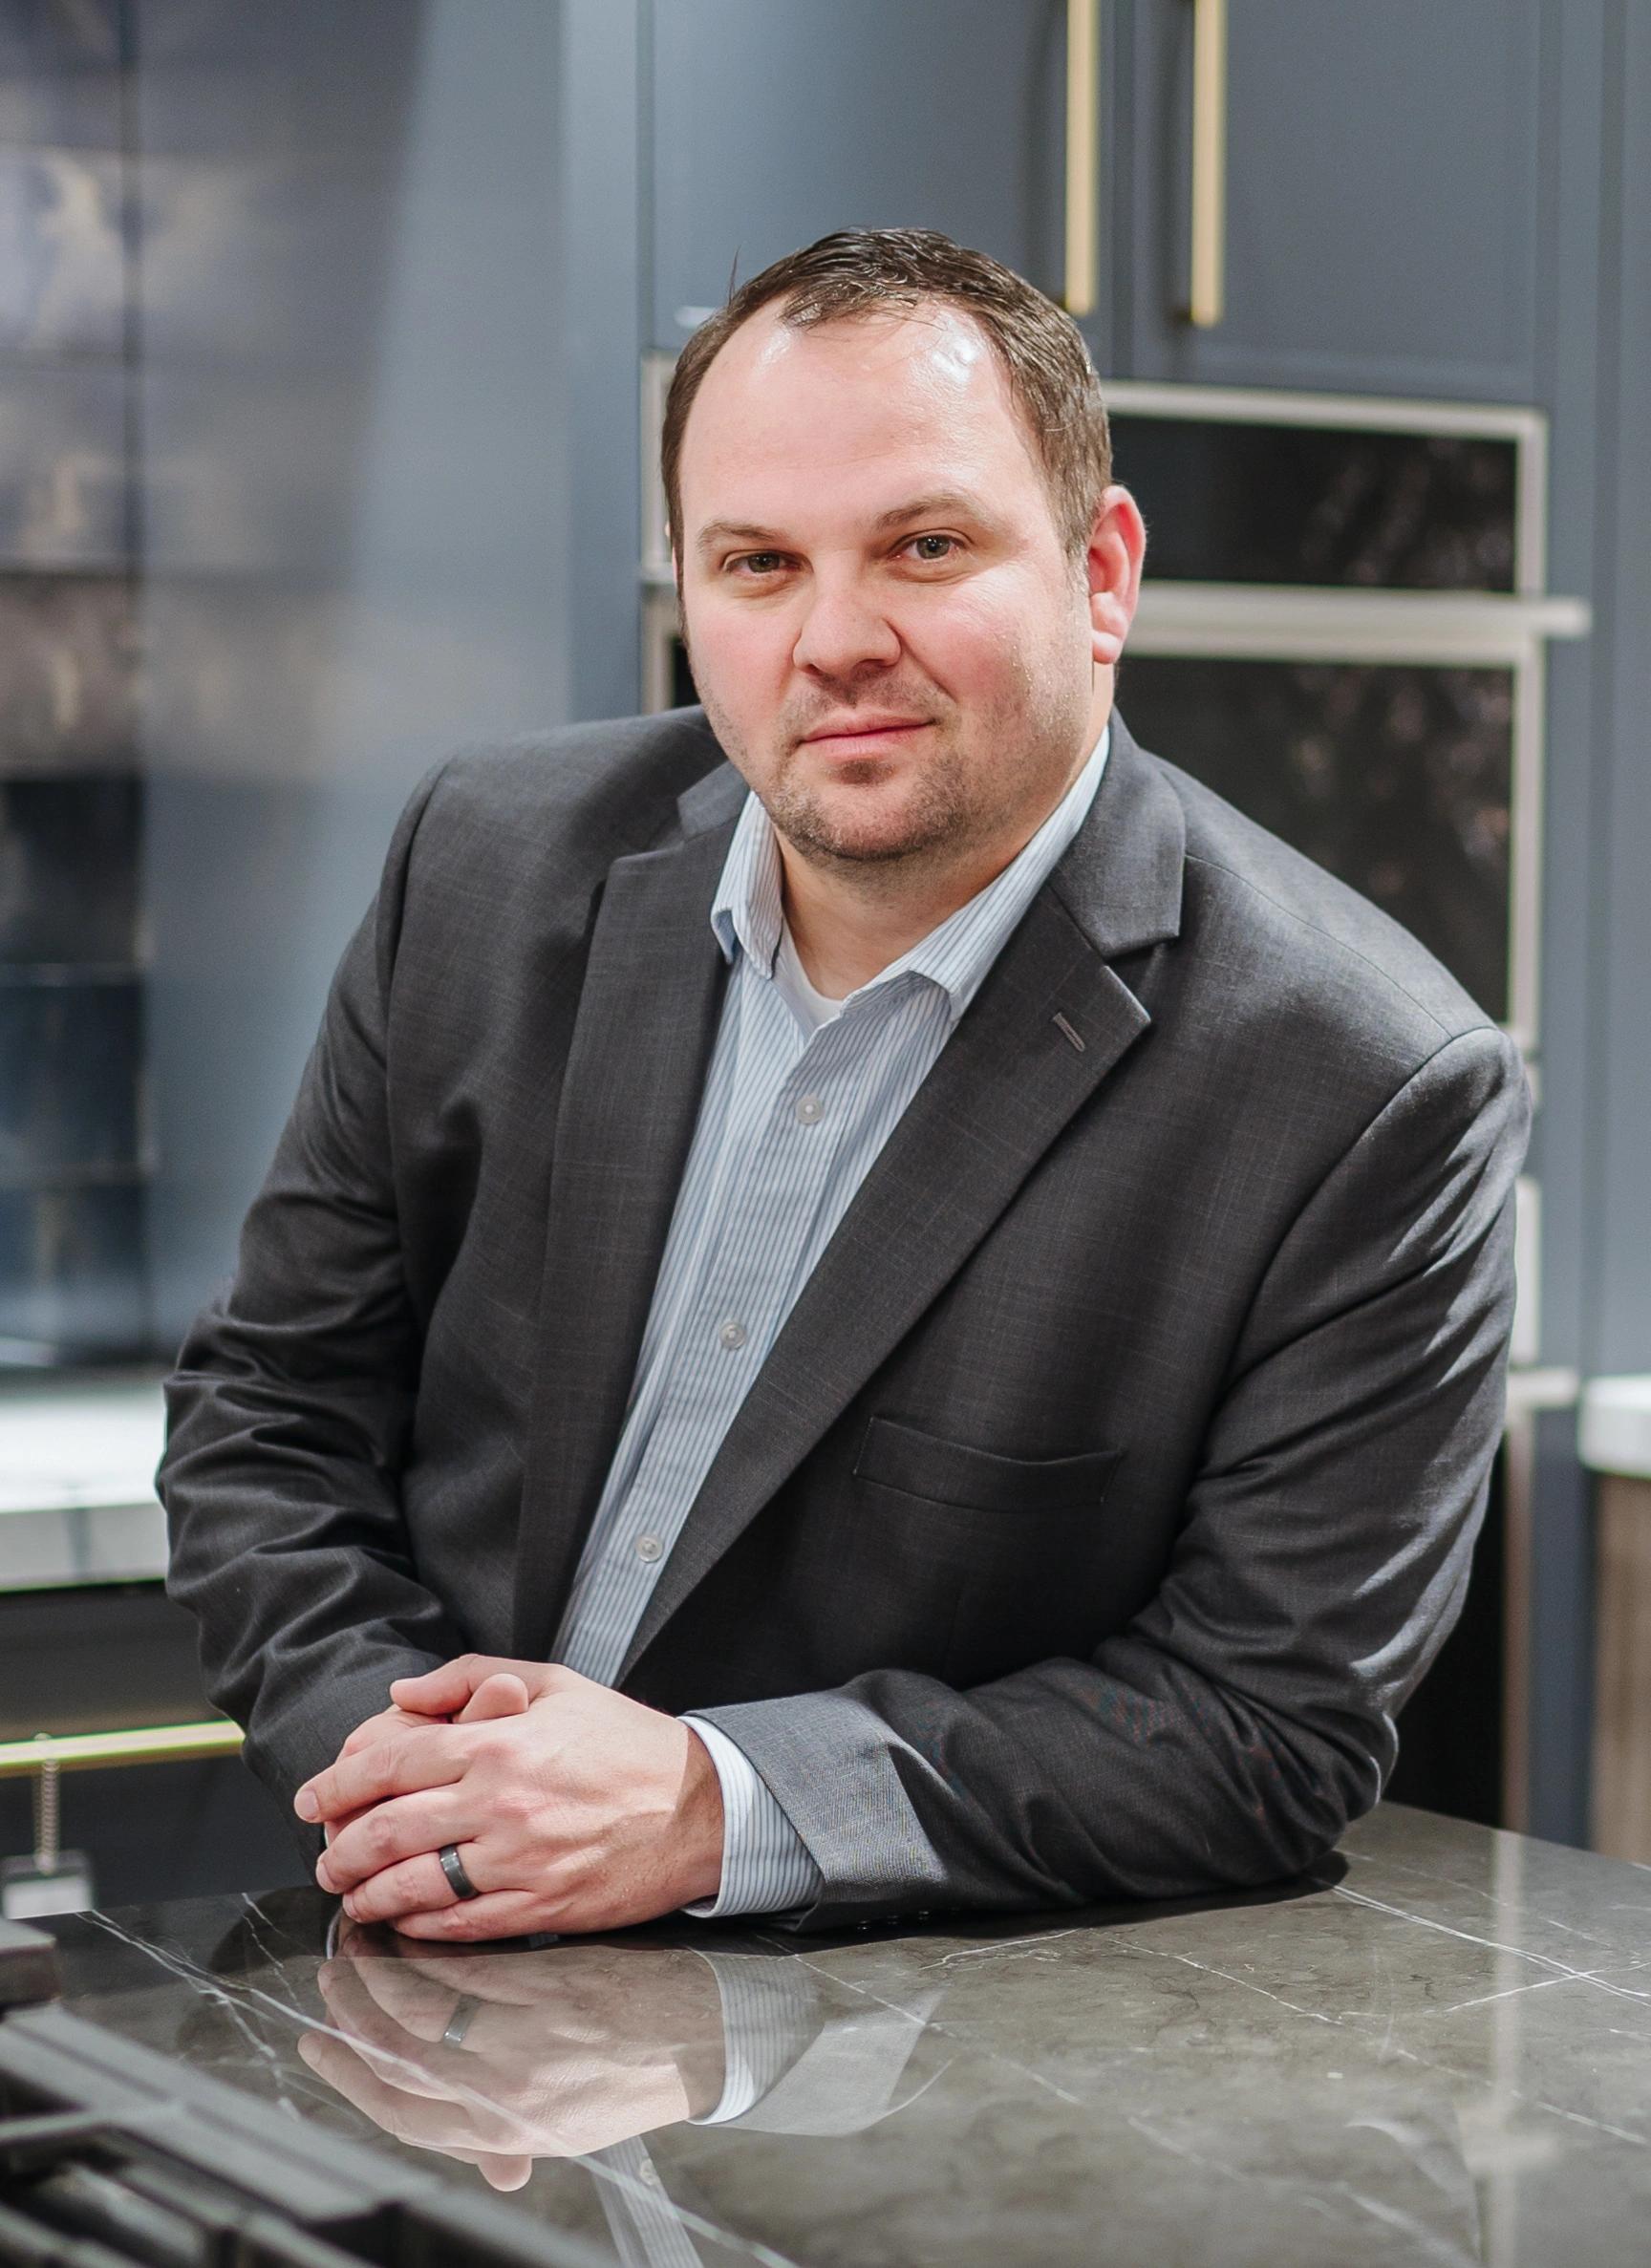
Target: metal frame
1377, 413
94, 1751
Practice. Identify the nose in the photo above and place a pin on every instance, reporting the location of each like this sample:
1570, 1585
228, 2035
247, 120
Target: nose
844, 631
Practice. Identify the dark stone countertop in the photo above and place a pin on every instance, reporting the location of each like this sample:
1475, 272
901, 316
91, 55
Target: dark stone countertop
1439, 2050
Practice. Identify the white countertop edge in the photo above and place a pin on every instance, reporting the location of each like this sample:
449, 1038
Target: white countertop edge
1614, 1427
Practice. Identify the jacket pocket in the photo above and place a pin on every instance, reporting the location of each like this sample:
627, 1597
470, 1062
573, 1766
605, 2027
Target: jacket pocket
898, 1456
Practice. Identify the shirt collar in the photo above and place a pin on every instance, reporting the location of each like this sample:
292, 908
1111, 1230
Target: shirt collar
749, 908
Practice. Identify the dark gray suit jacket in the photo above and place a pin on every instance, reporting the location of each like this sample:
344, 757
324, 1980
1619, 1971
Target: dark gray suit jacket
1113, 1479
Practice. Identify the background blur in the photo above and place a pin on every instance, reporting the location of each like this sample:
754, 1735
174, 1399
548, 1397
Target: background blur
332, 335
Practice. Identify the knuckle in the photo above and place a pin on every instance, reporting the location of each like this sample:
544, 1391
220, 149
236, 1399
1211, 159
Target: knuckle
515, 1807
377, 1834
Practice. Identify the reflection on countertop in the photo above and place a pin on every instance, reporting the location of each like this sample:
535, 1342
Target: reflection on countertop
1437, 2049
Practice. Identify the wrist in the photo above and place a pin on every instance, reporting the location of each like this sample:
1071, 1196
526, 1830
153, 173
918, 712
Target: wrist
700, 1824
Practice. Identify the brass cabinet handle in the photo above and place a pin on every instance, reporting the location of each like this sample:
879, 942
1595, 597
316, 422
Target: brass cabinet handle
1082, 290
1205, 298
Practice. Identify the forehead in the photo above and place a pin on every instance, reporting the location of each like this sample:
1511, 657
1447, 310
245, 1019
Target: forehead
833, 410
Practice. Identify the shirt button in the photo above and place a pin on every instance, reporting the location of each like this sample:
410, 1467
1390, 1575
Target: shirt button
732, 1334
650, 1547
810, 1110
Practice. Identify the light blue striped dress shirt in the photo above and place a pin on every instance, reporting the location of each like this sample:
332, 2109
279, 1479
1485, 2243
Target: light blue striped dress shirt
801, 1094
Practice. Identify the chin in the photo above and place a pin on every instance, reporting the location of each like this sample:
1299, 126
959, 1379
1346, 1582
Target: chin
881, 815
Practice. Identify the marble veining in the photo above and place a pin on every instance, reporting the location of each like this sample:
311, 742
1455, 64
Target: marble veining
1438, 2049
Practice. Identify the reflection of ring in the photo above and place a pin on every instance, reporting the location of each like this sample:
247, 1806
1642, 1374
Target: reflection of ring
463, 2015
452, 1866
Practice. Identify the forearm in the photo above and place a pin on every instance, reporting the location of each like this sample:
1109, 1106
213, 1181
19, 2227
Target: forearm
1061, 1785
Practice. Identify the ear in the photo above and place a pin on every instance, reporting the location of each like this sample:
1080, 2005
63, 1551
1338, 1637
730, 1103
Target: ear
1117, 548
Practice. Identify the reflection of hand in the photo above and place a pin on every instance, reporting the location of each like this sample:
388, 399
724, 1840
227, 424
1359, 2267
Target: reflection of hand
502, 2058
572, 1808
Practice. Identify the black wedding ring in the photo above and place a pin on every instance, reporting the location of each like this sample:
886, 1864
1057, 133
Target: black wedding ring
452, 1866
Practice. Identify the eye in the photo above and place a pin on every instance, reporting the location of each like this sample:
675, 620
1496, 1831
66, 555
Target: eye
758, 563
932, 550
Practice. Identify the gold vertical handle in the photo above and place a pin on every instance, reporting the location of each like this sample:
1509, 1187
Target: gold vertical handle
1082, 290
1205, 299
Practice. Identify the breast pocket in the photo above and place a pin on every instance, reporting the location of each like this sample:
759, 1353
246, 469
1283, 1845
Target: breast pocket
900, 1456
1021, 1540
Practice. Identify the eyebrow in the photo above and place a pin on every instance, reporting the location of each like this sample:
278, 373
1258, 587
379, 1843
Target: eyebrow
941, 503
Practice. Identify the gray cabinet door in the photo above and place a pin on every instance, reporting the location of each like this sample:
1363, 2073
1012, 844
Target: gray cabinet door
1383, 187
775, 121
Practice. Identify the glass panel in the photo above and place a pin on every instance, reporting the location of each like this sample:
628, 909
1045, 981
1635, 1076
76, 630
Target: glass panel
63, 499
1318, 505
67, 671
70, 1275
1395, 775
69, 869
62, 276
68, 1079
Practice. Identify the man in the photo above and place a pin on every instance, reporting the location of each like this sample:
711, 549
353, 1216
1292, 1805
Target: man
928, 1334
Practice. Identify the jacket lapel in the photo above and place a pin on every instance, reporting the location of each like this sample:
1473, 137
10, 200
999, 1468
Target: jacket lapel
1008, 1080
642, 1041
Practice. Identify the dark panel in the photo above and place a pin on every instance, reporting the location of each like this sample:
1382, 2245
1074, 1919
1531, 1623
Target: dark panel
62, 260
1450, 1729
683, 689
69, 869
67, 665
1394, 776
167, 1830
69, 1078
1561, 1644
1279, 504
96, 1658
72, 1284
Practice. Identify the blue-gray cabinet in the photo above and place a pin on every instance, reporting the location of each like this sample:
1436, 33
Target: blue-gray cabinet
1383, 184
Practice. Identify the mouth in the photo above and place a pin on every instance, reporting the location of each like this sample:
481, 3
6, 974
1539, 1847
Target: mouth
876, 737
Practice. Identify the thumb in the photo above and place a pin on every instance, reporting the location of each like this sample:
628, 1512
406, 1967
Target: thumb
500, 1695
442, 1692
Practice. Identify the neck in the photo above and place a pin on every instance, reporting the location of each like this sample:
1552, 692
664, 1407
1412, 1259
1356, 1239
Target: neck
851, 920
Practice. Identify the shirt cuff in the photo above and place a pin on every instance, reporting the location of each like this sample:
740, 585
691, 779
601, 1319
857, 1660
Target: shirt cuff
766, 1863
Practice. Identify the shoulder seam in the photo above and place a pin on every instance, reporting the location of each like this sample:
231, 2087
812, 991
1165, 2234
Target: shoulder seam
1486, 1024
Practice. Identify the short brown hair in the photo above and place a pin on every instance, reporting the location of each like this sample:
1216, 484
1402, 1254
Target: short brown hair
865, 272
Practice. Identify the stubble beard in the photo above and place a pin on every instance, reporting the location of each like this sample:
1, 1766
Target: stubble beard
943, 820
936, 822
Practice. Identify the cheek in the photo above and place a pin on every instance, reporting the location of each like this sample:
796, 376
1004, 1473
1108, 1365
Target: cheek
981, 646
741, 653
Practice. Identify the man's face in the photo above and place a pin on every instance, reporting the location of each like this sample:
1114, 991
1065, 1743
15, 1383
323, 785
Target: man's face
890, 638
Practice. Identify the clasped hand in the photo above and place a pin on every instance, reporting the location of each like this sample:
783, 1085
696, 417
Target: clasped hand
572, 1806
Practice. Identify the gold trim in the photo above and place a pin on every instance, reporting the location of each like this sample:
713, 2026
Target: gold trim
1205, 304
1083, 288
149, 1744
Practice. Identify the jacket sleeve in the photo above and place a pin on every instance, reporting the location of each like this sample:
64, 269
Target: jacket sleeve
290, 1404
1232, 1731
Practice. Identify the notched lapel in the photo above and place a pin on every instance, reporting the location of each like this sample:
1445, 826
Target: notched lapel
641, 1045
